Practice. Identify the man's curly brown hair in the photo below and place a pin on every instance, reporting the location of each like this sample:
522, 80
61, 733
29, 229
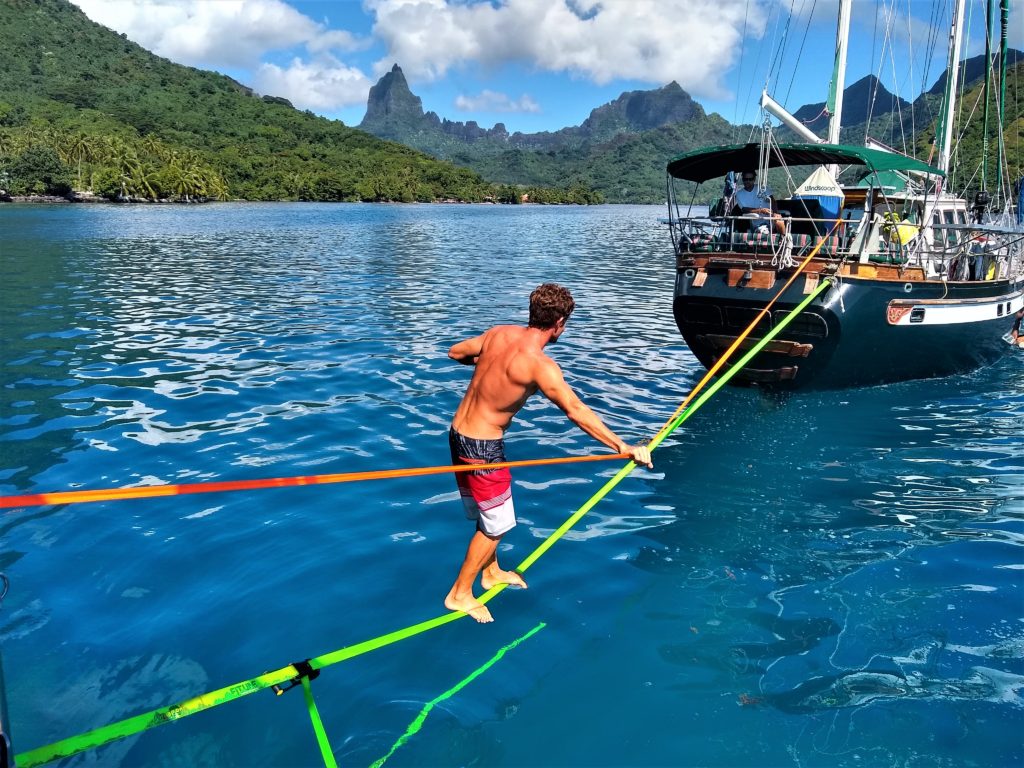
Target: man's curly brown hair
549, 303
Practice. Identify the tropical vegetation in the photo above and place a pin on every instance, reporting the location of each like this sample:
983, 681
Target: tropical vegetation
83, 108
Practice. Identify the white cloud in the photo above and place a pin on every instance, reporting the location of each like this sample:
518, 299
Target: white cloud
323, 84
493, 101
337, 40
215, 33
691, 41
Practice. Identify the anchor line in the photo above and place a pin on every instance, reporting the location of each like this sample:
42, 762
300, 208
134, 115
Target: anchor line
299, 672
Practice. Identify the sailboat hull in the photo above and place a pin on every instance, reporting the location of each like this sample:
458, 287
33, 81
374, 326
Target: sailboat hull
863, 331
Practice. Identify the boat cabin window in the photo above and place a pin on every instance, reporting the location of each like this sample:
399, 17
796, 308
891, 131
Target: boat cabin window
944, 236
951, 234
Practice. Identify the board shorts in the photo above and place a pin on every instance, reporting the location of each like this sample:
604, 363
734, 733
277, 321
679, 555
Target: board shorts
486, 495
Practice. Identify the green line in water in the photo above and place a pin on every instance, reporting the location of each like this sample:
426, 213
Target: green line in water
417, 724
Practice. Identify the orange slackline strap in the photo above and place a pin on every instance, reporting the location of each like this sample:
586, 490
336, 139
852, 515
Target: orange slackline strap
149, 491
746, 332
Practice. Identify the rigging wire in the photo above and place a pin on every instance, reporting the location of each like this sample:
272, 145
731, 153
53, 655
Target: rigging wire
875, 90
933, 43
896, 85
909, 78
960, 137
800, 51
739, 75
780, 52
750, 84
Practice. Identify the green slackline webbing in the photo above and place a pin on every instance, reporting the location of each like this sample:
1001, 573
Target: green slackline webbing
417, 724
318, 726
105, 734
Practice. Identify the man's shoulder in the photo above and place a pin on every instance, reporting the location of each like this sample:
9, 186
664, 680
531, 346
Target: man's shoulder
507, 331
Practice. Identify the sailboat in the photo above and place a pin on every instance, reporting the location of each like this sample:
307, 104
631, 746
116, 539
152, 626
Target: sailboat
925, 283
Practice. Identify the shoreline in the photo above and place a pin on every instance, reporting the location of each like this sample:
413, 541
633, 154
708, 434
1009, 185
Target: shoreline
90, 198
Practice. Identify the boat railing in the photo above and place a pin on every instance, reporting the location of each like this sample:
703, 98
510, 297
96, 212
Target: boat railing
953, 252
758, 235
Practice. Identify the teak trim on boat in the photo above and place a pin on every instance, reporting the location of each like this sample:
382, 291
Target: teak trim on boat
780, 347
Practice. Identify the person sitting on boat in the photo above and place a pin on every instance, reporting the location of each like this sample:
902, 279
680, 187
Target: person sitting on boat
1015, 334
758, 200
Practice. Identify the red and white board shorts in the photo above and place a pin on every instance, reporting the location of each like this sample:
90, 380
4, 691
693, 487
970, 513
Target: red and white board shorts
487, 494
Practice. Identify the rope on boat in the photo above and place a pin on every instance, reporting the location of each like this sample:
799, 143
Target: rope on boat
746, 332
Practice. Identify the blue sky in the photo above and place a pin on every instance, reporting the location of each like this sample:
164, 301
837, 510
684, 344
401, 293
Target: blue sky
544, 64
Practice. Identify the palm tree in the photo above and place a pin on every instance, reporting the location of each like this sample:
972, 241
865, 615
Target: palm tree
83, 147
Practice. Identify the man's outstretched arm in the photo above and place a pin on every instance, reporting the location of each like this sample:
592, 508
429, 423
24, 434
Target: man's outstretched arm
467, 352
551, 382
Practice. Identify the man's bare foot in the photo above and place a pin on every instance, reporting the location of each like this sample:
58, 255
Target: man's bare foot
497, 576
469, 605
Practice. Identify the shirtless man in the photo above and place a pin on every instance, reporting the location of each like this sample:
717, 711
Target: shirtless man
510, 366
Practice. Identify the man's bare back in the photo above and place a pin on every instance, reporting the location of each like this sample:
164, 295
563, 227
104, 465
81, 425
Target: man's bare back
510, 366
503, 381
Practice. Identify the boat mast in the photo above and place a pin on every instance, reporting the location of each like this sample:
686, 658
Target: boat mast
952, 78
986, 90
1004, 23
834, 105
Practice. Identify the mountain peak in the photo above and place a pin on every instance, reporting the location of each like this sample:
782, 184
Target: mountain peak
636, 111
391, 99
865, 97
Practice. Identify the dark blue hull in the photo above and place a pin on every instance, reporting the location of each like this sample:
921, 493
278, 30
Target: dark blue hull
865, 331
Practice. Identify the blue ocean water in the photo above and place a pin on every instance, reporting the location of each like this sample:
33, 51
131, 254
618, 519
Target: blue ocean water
830, 579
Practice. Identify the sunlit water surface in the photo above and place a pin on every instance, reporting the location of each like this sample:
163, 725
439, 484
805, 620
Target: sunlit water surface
827, 580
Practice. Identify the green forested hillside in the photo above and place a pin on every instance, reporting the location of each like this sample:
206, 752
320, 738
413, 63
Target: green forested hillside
620, 150
629, 168
970, 132
83, 107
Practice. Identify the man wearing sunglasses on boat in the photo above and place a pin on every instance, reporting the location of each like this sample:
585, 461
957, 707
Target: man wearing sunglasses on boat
758, 201
510, 367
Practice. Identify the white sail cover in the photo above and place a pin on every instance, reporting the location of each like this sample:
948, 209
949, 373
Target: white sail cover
821, 187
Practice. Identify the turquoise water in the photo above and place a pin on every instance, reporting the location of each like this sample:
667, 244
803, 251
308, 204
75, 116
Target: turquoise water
833, 579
